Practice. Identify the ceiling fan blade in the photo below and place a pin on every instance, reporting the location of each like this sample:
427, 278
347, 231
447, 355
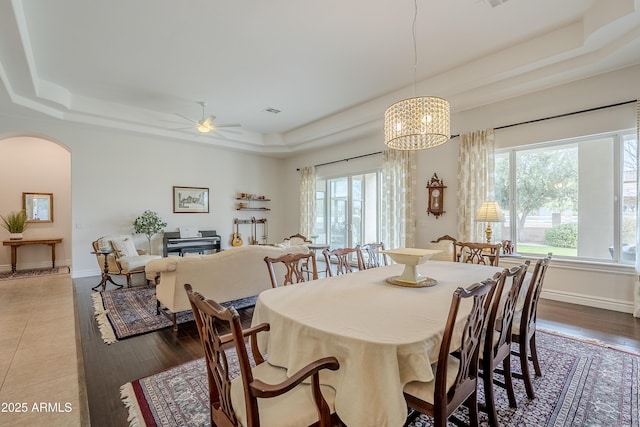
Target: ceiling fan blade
228, 130
189, 119
207, 121
228, 125
173, 121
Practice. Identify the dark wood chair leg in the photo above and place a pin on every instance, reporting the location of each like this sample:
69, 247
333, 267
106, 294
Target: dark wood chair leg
472, 404
489, 398
157, 307
508, 382
534, 355
523, 355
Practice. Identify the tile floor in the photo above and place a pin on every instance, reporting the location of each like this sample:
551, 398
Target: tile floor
38, 358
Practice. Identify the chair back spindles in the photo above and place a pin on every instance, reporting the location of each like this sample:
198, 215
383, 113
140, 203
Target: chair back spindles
477, 253
342, 260
297, 267
370, 256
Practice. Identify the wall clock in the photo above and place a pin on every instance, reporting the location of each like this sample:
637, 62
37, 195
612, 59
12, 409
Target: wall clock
436, 196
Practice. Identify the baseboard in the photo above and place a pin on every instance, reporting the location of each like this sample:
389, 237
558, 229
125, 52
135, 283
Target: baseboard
76, 274
587, 300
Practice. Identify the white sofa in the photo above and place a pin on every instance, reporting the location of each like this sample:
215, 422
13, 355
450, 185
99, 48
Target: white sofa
229, 275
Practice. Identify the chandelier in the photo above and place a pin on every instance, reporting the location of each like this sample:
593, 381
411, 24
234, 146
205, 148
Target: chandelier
419, 122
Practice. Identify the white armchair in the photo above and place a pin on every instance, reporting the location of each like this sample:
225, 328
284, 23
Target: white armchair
125, 259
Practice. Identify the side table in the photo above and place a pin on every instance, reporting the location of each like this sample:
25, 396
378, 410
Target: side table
105, 272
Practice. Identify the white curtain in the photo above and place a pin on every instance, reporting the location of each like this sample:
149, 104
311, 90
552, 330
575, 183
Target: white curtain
636, 308
307, 200
475, 181
397, 229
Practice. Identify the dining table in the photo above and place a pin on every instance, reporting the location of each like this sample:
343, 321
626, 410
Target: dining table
383, 335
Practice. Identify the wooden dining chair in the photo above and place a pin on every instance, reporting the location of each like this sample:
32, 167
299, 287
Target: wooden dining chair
284, 400
342, 260
445, 244
296, 239
496, 349
456, 377
524, 326
297, 267
477, 253
369, 256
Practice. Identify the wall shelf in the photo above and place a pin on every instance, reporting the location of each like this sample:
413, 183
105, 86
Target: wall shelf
252, 204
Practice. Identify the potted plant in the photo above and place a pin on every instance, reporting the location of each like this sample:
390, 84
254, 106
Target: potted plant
149, 223
15, 223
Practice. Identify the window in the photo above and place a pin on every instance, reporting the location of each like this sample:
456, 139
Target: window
347, 212
575, 198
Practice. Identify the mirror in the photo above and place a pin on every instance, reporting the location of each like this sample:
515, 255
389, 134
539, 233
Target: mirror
39, 206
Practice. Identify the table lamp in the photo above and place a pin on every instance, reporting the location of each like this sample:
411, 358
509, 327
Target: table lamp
489, 212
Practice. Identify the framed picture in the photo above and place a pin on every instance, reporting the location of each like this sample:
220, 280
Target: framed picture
190, 200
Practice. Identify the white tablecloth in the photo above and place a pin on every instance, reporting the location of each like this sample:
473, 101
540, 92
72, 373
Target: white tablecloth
384, 336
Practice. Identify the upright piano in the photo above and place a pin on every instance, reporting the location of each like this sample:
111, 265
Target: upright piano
173, 244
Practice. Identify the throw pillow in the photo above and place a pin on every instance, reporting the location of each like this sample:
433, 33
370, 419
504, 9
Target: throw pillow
124, 246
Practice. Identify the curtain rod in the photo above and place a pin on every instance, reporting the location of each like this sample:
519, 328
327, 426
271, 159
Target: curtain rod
345, 160
559, 115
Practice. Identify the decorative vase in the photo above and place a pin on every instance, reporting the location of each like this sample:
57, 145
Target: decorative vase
15, 236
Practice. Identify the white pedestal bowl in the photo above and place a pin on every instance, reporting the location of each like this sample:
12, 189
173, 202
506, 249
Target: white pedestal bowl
410, 258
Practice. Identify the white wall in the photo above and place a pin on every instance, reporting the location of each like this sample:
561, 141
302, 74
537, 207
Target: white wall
599, 285
116, 176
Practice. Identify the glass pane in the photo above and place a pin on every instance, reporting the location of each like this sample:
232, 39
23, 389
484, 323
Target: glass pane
357, 184
629, 197
319, 228
502, 231
338, 212
349, 205
564, 199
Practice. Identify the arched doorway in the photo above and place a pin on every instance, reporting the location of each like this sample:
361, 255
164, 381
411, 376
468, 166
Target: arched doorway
36, 165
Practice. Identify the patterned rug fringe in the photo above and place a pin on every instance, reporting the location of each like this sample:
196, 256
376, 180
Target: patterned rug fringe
128, 312
34, 272
127, 395
106, 330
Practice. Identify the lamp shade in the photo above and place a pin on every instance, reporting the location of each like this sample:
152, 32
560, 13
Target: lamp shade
417, 123
489, 212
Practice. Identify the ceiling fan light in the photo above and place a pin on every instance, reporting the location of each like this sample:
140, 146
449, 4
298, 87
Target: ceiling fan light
203, 128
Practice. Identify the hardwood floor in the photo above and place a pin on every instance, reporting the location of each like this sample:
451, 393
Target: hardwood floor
107, 367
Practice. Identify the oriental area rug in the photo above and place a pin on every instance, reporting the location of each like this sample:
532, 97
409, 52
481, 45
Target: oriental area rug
35, 272
128, 312
582, 384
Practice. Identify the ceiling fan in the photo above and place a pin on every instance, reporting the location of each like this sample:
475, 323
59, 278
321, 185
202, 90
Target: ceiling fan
205, 124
